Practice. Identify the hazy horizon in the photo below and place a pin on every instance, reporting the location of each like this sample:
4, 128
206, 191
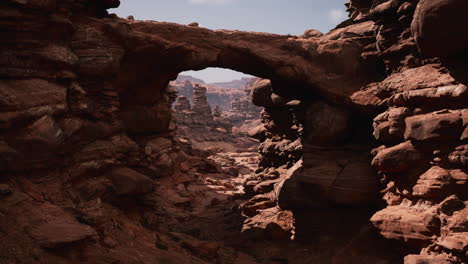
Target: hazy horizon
272, 16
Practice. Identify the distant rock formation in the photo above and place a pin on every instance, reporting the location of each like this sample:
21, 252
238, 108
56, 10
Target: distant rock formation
183, 78
217, 111
200, 104
182, 104
236, 84
197, 122
215, 95
242, 108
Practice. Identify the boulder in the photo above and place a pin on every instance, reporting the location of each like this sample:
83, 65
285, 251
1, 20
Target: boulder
129, 182
433, 184
270, 223
453, 94
459, 157
437, 28
329, 177
311, 33
261, 93
56, 234
418, 224
340, 177
398, 158
439, 126
427, 76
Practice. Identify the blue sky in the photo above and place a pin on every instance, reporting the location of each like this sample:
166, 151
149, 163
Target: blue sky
274, 16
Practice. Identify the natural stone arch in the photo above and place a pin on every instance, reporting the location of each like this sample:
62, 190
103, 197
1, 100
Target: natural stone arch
298, 68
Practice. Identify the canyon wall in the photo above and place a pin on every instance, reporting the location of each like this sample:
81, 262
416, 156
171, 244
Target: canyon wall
92, 171
419, 111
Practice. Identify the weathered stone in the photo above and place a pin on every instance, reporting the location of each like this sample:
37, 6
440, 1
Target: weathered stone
261, 93
418, 224
436, 23
129, 182
311, 33
455, 242
28, 99
455, 94
434, 127
418, 259
55, 234
398, 158
433, 184
414, 79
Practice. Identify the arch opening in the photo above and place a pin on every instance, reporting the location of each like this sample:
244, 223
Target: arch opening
214, 110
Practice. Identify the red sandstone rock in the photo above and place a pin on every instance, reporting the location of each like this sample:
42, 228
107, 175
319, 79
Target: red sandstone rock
437, 23
417, 259
129, 182
433, 184
52, 235
261, 93
414, 224
29, 99
398, 158
455, 242
443, 126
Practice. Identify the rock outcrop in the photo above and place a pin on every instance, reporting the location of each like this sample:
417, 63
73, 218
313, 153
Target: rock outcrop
197, 122
422, 127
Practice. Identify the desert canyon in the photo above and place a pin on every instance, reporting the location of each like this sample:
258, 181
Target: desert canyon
351, 147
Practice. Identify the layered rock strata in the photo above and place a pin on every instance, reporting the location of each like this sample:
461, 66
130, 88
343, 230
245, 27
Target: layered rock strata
423, 128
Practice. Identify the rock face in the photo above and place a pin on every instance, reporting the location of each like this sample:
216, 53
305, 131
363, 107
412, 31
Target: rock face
419, 114
92, 168
282, 128
421, 126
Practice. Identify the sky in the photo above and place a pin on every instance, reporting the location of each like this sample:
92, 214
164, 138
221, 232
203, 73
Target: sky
273, 16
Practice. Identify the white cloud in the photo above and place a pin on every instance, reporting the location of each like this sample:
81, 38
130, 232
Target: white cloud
336, 15
209, 2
